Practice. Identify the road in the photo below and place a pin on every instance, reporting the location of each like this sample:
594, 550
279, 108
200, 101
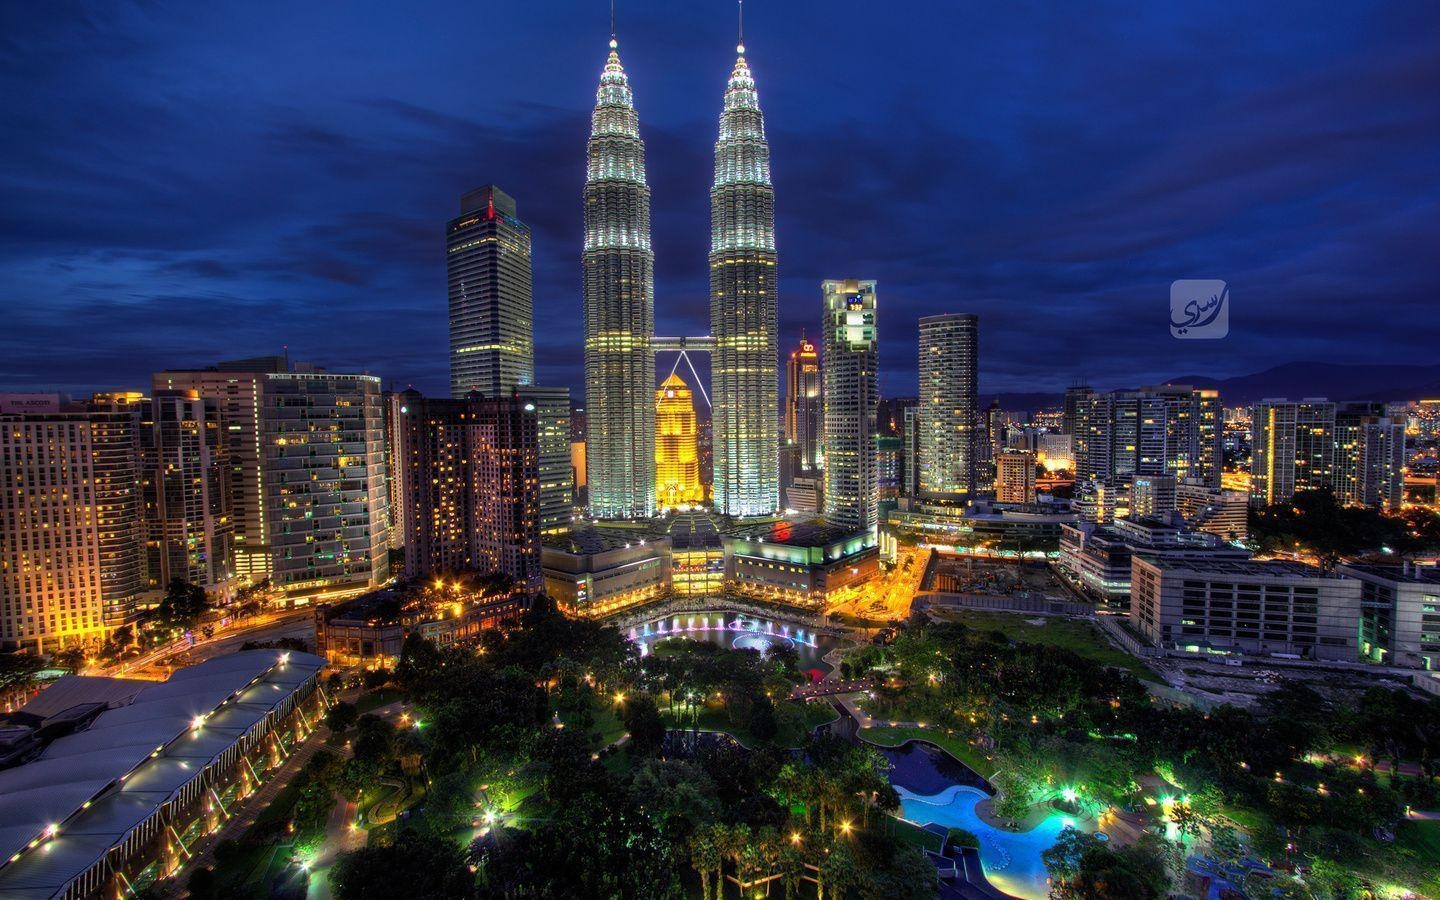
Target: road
269, 627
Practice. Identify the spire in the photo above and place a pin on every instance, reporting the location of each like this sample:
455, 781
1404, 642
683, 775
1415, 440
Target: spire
614, 44
740, 43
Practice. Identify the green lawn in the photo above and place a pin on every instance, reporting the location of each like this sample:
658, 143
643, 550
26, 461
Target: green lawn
954, 744
912, 835
1076, 635
369, 702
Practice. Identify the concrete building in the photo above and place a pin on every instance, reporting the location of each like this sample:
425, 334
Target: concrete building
1099, 556
600, 572
72, 559
370, 630
1224, 513
1015, 476
326, 497
469, 486
1369, 465
1399, 613
1160, 430
1279, 608
1152, 496
492, 343
1032, 527
797, 563
949, 405
804, 407
851, 395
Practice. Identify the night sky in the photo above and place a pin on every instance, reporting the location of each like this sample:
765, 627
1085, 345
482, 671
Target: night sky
186, 182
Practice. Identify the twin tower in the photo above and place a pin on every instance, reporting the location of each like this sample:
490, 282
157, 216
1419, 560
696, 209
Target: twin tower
620, 343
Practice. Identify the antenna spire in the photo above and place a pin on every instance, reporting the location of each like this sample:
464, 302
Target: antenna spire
613, 43
740, 44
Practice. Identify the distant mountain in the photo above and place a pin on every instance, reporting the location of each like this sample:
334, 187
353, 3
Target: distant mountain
1329, 380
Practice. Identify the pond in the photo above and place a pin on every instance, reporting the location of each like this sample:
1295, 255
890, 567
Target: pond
738, 631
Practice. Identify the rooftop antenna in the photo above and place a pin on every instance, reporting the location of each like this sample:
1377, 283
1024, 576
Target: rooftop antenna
613, 43
740, 44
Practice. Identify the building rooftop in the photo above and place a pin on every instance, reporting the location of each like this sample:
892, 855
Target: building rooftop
86, 791
1405, 574
1271, 568
792, 532
599, 539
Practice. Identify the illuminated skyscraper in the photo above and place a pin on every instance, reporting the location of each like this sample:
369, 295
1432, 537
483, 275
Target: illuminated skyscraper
743, 307
677, 458
803, 408
492, 344
949, 404
619, 306
851, 395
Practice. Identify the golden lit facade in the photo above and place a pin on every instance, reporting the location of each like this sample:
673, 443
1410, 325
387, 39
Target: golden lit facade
677, 457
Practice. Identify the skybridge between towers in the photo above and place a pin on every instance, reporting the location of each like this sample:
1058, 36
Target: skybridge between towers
685, 346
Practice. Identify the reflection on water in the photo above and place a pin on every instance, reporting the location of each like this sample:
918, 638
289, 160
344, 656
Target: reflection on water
925, 769
737, 631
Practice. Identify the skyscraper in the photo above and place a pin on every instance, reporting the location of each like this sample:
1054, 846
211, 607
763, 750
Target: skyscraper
1293, 449
71, 562
468, 471
1162, 430
557, 476
185, 488
743, 307
492, 344
1369, 456
949, 404
851, 395
619, 307
677, 457
1015, 476
803, 407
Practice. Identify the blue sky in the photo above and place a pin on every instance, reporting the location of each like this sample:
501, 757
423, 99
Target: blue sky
188, 182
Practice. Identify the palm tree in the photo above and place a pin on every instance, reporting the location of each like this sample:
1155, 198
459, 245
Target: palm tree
705, 857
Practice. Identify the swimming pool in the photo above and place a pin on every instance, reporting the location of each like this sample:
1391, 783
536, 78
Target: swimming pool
1011, 859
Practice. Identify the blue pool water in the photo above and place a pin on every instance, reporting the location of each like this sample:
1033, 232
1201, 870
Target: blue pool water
1011, 860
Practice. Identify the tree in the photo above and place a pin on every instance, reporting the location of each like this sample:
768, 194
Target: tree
183, 604
641, 718
71, 659
341, 716
415, 866
705, 859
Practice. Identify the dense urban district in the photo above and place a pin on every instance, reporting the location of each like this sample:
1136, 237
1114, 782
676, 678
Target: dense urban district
274, 631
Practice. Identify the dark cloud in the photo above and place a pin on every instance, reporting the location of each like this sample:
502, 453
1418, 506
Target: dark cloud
186, 183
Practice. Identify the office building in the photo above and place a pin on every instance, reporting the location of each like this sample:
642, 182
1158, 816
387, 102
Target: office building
851, 394
1152, 496
949, 405
910, 451
677, 456
71, 562
1399, 613
619, 307
185, 491
557, 469
326, 496
743, 308
1279, 608
1221, 512
803, 406
1056, 451
1099, 557
1015, 476
598, 572
492, 345
1292, 449
469, 475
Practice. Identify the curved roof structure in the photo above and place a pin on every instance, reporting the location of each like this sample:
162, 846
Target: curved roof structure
60, 813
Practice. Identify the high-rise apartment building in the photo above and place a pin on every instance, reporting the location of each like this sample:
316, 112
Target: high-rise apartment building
1369, 456
619, 307
322, 455
492, 343
803, 405
1164, 430
1152, 496
1292, 449
743, 308
71, 562
851, 395
469, 478
677, 455
185, 489
1015, 476
949, 405
557, 474
1074, 396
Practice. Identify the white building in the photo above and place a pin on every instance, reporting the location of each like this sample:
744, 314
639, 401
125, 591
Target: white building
851, 396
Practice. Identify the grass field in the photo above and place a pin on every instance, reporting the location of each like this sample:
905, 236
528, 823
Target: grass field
1076, 635
954, 744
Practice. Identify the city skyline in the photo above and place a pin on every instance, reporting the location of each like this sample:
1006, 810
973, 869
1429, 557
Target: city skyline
142, 286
